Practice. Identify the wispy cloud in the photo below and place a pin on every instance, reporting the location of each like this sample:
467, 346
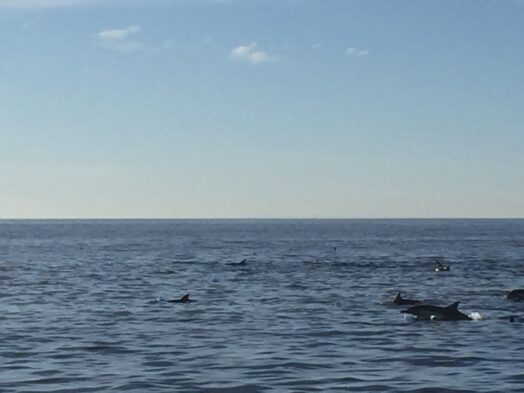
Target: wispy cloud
127, 40
249, 54
118, 34
356, 52
121, 39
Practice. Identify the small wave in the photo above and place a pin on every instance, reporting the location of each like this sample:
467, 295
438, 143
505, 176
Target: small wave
236, 389
56, 380
440, 390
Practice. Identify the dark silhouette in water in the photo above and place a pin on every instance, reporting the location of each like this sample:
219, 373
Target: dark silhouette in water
441, 267
516, 295
436, 313
183, 299
512, 319
401, 301
243, 262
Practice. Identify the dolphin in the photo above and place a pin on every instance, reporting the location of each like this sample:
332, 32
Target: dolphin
431, 313
440, 267
241, 263
516, 295
401, 301
183, 299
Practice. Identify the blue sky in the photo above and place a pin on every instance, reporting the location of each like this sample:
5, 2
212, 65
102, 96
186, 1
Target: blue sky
261, 108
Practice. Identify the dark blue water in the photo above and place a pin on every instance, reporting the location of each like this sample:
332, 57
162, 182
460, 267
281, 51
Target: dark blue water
83, 306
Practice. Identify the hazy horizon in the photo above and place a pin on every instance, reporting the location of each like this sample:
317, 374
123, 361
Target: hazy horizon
340, 109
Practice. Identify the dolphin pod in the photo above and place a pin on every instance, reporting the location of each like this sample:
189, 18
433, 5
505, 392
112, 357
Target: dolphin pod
419, 310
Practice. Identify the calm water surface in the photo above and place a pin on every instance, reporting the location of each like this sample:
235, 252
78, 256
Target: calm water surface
83, 306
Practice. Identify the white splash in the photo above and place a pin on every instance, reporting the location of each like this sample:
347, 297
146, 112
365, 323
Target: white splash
477, 316
409, 317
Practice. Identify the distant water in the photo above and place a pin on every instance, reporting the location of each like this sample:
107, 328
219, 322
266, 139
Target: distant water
83, 306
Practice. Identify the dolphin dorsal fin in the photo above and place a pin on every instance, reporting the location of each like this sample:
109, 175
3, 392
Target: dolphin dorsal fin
453, 306
185, 298
398, 297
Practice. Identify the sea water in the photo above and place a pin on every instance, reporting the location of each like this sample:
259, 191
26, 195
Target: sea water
83, 306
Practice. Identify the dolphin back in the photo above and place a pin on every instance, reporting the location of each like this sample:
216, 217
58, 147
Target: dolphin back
453, 307
430, 312
454, 314
516, 295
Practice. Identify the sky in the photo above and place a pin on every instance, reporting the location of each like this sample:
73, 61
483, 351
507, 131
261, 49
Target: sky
261, 109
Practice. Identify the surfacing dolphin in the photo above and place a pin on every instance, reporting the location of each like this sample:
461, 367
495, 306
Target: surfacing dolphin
399, 300
516, 295
429, 312
241, 263
441, 267
183, 299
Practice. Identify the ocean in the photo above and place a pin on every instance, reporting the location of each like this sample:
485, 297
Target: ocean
84, 306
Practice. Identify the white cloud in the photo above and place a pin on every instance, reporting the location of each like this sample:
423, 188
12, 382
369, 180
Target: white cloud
120, 39
118, 34
249, 54
356, 52
126, 40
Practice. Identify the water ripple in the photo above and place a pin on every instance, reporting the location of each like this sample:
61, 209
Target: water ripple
84, 306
